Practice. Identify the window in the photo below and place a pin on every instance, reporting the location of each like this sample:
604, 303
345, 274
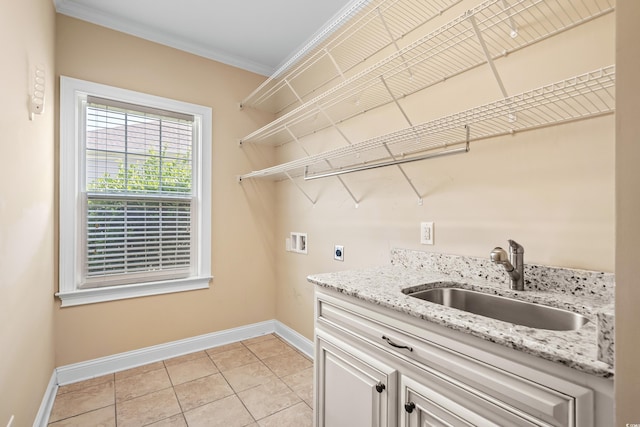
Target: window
134, 194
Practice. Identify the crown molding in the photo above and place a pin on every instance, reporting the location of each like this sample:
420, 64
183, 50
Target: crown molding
79, 11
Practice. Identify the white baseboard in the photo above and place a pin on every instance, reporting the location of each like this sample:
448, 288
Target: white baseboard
118, 362
42, 417
294, 338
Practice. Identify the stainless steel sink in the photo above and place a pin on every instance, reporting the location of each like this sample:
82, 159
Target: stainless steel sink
505, 309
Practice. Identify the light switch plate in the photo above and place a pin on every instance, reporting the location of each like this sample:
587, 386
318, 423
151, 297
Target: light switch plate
426, 233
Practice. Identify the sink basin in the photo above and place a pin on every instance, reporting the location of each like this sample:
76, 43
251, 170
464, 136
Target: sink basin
505, 309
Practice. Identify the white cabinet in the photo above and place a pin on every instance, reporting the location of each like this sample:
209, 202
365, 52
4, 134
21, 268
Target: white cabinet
375, 367
354, 388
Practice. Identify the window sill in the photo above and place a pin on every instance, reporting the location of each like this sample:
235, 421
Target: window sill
113, 293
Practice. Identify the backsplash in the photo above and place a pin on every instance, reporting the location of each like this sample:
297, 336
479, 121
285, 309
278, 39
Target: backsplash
568, 281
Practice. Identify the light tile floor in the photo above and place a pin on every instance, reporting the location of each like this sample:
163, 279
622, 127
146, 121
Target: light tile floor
258, 382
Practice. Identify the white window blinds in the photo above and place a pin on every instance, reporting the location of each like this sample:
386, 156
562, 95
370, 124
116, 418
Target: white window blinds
138, 194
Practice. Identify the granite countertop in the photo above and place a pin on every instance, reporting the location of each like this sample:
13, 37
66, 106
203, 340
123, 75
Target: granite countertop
584, 292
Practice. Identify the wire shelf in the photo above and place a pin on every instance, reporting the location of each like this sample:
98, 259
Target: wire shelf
363, 30
581, 97
450, 50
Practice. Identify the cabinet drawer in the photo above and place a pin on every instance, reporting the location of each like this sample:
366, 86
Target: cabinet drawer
528, 399
427, 400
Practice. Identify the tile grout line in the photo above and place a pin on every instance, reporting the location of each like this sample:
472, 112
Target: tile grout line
115, 402
284, 409
59, 393
81, 390
245, 407
207, 403
173, 388
142, 395
77, 415
234, 391
196, 379
179, 406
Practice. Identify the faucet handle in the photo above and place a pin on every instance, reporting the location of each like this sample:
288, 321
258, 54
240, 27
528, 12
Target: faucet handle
516, 247
499, 255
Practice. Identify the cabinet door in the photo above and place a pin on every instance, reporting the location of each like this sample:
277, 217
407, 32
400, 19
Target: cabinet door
429, 401
353, 389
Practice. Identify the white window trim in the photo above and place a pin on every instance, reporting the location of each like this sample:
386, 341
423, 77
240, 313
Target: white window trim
70, 214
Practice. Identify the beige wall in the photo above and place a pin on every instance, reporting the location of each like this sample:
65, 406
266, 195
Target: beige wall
551, 189
243, 289
26, 210
627, 214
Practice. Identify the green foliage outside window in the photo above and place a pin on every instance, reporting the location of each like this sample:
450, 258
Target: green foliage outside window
172, 175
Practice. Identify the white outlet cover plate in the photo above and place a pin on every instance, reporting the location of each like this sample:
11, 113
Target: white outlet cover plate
338, 253
426, 233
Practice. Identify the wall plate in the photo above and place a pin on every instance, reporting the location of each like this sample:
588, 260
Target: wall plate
338, 253
299, 243
426, 233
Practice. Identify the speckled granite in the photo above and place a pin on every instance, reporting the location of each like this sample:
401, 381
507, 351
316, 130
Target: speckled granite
605, 325
587, 293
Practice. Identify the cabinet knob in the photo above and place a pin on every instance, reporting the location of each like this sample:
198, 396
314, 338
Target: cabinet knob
380, 387
409, 407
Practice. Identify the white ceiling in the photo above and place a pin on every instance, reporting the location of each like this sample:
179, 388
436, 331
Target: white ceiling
256, 35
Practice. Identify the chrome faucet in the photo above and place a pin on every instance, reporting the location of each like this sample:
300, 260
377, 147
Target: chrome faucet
514, 264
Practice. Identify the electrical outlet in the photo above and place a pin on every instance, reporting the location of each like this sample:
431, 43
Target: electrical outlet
338, 253
426, 233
